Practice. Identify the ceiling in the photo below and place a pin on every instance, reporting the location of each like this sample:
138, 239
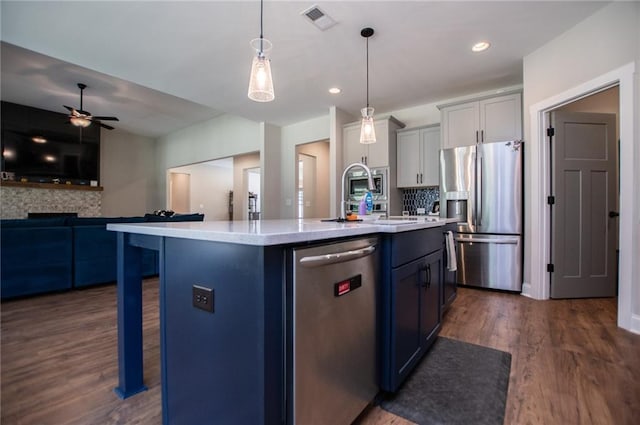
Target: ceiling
164, 65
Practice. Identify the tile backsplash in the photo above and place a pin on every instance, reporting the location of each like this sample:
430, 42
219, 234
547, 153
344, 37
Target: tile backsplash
412, 199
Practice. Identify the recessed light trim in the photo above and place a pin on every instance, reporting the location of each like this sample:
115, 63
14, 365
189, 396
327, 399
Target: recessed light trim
335, 90
480, 46
38, 139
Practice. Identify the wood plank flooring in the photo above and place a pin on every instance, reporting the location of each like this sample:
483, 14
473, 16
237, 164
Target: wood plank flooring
571, 364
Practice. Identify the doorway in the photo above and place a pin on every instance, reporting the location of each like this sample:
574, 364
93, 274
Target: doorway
252, 195
179, 193
306, 185
312, 180
583, 162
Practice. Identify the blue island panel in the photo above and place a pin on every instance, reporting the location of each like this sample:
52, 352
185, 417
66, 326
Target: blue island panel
227, 366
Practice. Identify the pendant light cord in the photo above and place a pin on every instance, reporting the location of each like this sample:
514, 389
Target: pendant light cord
261, 9
367, 72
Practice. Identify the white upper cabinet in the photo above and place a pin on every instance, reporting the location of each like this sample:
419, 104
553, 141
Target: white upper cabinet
489, 120
378, 154
418, 153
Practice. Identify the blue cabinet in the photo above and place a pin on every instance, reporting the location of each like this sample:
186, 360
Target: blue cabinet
411, 301
225, 366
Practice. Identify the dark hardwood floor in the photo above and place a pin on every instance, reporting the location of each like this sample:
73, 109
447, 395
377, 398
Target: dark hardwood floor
571, 364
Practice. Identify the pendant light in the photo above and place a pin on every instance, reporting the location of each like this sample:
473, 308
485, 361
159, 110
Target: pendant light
367, 129
260, 82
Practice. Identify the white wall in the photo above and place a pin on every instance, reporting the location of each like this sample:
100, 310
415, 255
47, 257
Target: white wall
605, 42
272, 171
338, 118
127, 175
210, 185
292, 135
219, 137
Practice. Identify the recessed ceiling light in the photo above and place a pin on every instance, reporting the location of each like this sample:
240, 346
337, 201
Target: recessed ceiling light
481, 46
335, 90
39, 139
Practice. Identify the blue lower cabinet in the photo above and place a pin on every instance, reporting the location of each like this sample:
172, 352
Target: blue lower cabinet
221, 309
411, 303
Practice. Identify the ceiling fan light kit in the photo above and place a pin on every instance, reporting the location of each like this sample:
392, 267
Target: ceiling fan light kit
80, 121
260, 81
367, 128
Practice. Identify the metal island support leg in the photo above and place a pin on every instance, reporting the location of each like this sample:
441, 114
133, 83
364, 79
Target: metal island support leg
130, 363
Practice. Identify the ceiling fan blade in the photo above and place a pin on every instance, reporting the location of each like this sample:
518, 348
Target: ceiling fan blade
106, 118
108, 127
69, 108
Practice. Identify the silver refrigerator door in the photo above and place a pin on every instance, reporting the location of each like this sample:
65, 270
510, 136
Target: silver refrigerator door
490, 261
458, 183
498, 203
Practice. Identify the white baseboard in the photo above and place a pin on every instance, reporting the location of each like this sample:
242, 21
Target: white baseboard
635, 324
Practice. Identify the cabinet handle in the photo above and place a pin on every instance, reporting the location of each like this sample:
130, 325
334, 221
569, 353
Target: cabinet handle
481, 136
426, 282
476, 137
417, 179
420, 177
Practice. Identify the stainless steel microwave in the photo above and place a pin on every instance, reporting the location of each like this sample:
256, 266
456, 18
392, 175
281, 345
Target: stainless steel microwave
357, 184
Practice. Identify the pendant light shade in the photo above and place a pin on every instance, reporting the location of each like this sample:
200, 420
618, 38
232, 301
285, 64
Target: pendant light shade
367, 128
260, 81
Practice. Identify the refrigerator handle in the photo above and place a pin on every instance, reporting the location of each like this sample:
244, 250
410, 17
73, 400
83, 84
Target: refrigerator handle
479, 175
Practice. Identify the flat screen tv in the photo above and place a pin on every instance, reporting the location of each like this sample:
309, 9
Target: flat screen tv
41, 146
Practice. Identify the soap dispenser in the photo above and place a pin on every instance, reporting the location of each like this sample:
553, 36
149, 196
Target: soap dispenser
362, 207
369, 202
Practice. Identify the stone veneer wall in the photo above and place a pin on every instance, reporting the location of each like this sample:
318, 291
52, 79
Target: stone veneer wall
17, 202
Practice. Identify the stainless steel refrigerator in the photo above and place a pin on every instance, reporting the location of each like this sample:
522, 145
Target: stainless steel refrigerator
482, 186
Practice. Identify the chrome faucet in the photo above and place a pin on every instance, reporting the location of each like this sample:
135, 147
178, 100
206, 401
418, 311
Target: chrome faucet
372, 186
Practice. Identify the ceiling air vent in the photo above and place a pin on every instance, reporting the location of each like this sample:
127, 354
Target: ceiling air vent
319, 18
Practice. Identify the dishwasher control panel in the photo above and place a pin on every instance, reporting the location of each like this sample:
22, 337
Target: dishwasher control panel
346, 286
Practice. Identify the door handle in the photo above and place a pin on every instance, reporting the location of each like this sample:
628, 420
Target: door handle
614, 214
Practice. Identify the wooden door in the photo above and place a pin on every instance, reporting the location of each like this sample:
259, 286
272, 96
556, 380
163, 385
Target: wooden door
583, 236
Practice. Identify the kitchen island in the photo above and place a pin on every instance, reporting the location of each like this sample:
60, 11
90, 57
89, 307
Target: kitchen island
226, 309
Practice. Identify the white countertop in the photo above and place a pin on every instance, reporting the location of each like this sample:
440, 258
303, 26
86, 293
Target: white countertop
273, 232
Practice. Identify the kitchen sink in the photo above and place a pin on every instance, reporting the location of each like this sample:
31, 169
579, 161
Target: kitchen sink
394, 222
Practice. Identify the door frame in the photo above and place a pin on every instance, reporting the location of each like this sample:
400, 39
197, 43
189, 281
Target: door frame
539, 240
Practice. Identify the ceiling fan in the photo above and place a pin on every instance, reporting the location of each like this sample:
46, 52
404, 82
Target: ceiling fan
82, 118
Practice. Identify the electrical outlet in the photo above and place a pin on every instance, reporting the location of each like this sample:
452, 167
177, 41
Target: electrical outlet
421, 211
202, 298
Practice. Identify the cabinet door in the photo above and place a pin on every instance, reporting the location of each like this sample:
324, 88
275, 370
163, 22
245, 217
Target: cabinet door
430, 143
352, 149
406, 337
501, 118
409, 165
378, 152
430, 281
459, 125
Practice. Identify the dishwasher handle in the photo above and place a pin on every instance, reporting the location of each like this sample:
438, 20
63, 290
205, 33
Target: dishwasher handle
338, 257
507, 241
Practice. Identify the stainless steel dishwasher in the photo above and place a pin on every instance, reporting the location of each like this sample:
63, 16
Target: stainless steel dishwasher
334, 331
